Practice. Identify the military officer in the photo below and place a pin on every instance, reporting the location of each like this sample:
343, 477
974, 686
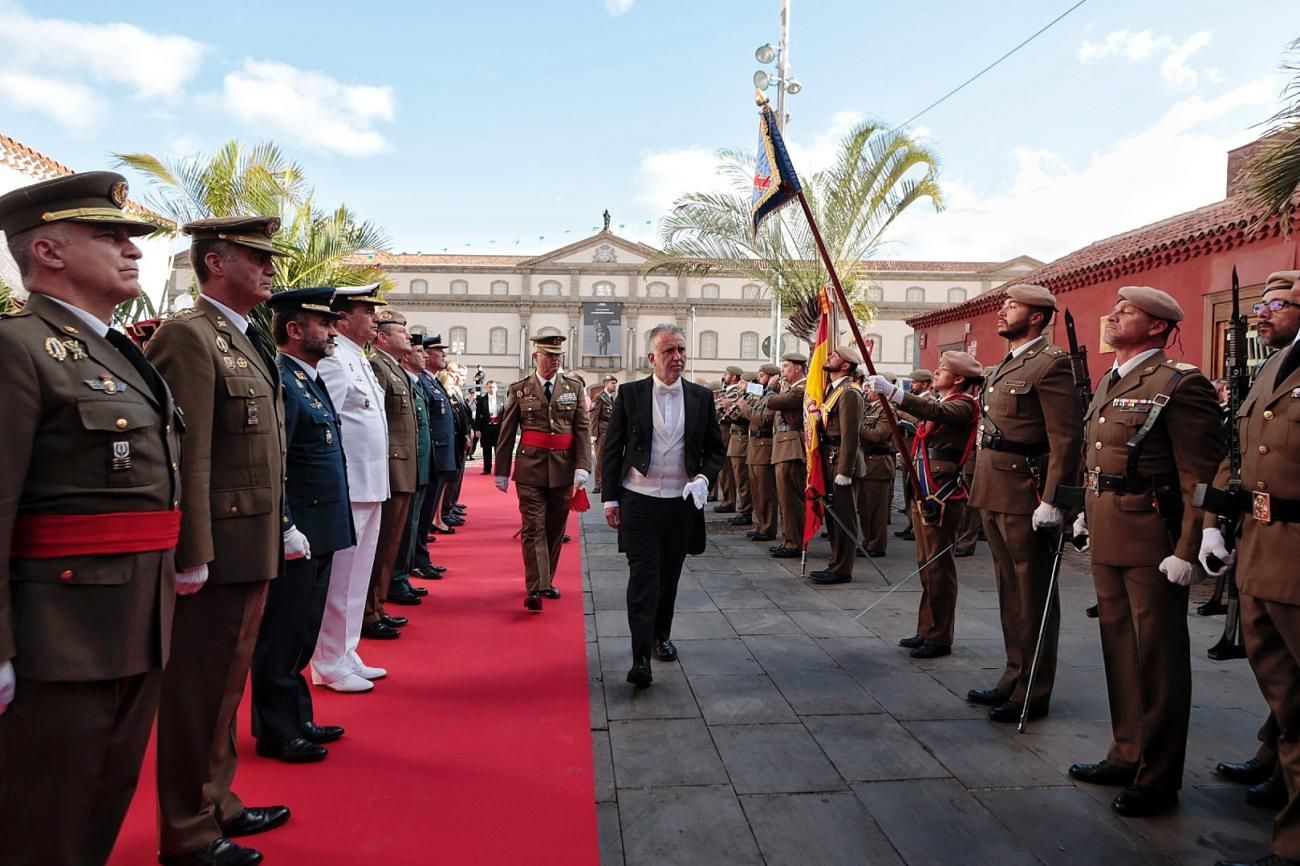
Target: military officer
919, 382
602, 411
90, 459
874, 491
1029, 446
1267, 548
738, 448
1152, 433
553, 461
234, 534
316, 496
788, 454
842, 461
762, 472
414, 365
442, 462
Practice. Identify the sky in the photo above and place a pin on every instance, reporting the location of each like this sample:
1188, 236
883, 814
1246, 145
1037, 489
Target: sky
508, 127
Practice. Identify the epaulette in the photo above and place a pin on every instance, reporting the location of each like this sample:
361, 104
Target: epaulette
1181, 365
1055, 351
183, 314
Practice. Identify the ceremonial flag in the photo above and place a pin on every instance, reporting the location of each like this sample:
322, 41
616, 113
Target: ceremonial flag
775, 183
814, 393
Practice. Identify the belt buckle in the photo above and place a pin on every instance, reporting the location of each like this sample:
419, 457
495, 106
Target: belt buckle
1090, 482
1261, 506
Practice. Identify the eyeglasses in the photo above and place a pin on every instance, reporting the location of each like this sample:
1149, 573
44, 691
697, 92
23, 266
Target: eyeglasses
1276, 305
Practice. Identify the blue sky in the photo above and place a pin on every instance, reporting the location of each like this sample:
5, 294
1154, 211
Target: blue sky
468, 127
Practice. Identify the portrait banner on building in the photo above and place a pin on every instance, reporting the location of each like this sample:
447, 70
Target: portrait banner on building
602, 328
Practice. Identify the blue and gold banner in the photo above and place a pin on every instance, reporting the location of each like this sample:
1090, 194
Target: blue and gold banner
775, 182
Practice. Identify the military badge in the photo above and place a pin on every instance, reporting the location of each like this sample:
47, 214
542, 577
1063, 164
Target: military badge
1261, 506
1295, 392
299, 374
229, 362
121, 456
329, 436
110, 387
302, 386
251, 418
55, 349
272, 226
222, 345
106, 384
241, 362
75, 352
118, 193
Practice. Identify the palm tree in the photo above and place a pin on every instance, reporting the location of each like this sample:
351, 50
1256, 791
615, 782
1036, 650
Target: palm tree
877, 175
1273, 172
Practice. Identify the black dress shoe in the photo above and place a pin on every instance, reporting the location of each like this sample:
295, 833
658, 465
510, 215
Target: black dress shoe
379, 631
567, 539
437, 531
1009, 711
742, 520
962, 554
1091, 612
218, 852
1102, 773
433, 572
551, 593
299, 750
875, 554
640, 675
665, 651
256, 819
406, 599
905, 534
931, 651
321, 734
454, 521
533, 601
596, 490
912, 642
987, 697
723, 509
393, 621
1267, 860
1250, 772
1270, 793
1142, 801
757, 536
786, 553
829, 578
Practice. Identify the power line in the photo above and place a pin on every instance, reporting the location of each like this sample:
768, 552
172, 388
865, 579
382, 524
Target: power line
980, 74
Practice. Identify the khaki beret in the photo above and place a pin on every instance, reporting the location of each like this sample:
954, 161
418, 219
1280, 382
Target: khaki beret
1281, 280
849, 353
389, 316
795, 358
751, 376
770, 369
247, 231
962, 364
1153, 302
551, 344
89, 197
1034, 296
921, 376
736, 371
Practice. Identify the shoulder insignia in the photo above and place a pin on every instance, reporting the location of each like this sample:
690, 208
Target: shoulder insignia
183, 314
1184, 366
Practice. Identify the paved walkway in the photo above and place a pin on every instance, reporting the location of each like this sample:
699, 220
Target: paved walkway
788, 733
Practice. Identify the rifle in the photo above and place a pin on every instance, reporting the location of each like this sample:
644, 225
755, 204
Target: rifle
1226, 504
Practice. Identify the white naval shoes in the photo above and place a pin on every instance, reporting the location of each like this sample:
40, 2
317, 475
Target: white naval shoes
350, 683
367, 672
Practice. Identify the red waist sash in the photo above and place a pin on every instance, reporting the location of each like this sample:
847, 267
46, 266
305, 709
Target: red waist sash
549, 441
49, 536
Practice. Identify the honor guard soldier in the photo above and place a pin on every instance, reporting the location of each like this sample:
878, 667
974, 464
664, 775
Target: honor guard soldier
234, 536
737, 448
788, 454
875, 490
89, 482
919, 381
1269, 541
316, 502
1152, 434
842, 462
553, 461
762, 472
944, 440
1029, 446
602, 411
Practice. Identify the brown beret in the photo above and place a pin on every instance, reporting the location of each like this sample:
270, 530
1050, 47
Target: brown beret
247, 231
962, 364
736, 371
1153, 302
921, 376
89, 197
1281, 280
1033, 296
770, 369
795, 358
849, 353
389, 316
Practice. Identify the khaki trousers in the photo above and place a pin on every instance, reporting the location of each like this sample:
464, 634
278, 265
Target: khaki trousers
543, 513
844, 544
790, 483
393, 517
874, 502
968, 534
1022, 564
935, 621
740, 473
762, 490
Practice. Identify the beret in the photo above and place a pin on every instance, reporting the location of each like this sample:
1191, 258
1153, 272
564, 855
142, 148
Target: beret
1034, 296
1153, 302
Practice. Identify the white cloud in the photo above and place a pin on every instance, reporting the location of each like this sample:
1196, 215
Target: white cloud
1175, 69
618, 7
72, 105
310, 107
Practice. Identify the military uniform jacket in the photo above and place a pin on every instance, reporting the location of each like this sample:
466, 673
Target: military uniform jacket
359, 401
877, 440
1126, 528
1269, 432
423, 442
1030, 400
399, 410
955, 417
738, 443
604, 410
527, 409
232, 492
81, 617
787, 427
759, 434
442, 424
316, 487
844, 421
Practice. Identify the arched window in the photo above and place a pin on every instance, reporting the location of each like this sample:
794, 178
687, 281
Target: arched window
749, 346
750, 291
459, 287
956, 295
875, 294
497, 341
500, 287
457, 338
874, 345
709, 290
909, 344
550, 288
708, 344
603, 289
915, 295
656, 290
419, 287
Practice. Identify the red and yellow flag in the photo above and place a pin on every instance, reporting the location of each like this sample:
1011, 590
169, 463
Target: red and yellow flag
814, 394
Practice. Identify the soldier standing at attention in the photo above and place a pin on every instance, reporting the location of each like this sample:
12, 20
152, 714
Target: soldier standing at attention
920, 383
841, 419
762, 473
1029, 445
738, 448
788, 454
234, 535
1267, 548
1152, 434
726, 484
874, 491
553, 461
90, 454
602, 411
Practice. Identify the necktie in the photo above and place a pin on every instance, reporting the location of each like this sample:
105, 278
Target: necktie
136, 358
547, 388
1289, 364
1009, 356
255, 337
1114, 377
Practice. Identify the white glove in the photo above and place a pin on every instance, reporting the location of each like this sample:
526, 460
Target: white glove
1179, 571
843, 481
295, 544
1080, 529
881, 385
697, 489
1046, 516
7, 684
580, 478
502, 482
1212, 544
191, 580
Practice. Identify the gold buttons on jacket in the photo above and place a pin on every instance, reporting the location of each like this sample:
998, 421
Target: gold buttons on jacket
234, 509
1261, 485
1101, 419
120, 423
66, 574
1263, 449
1098, 446
251, 391
1268, 414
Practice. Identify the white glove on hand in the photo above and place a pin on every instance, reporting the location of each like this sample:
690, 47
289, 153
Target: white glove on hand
881, 385
580, 478
191, 580
697, 489
1046, 516
1179, 571
843, 481
295, 544
502, 482
7, 684
1213, 544
1080, 530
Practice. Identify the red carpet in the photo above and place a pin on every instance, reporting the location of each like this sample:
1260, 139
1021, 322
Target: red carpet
475, 750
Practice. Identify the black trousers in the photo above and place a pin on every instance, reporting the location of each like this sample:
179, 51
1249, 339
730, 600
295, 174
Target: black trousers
488, 438
424, 523
411, 537
654, 534
295, 603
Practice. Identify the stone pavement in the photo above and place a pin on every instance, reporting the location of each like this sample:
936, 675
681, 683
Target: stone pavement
789, 733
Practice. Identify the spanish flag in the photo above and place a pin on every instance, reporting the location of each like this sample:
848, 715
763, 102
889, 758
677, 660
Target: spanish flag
813, 395
775, 183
